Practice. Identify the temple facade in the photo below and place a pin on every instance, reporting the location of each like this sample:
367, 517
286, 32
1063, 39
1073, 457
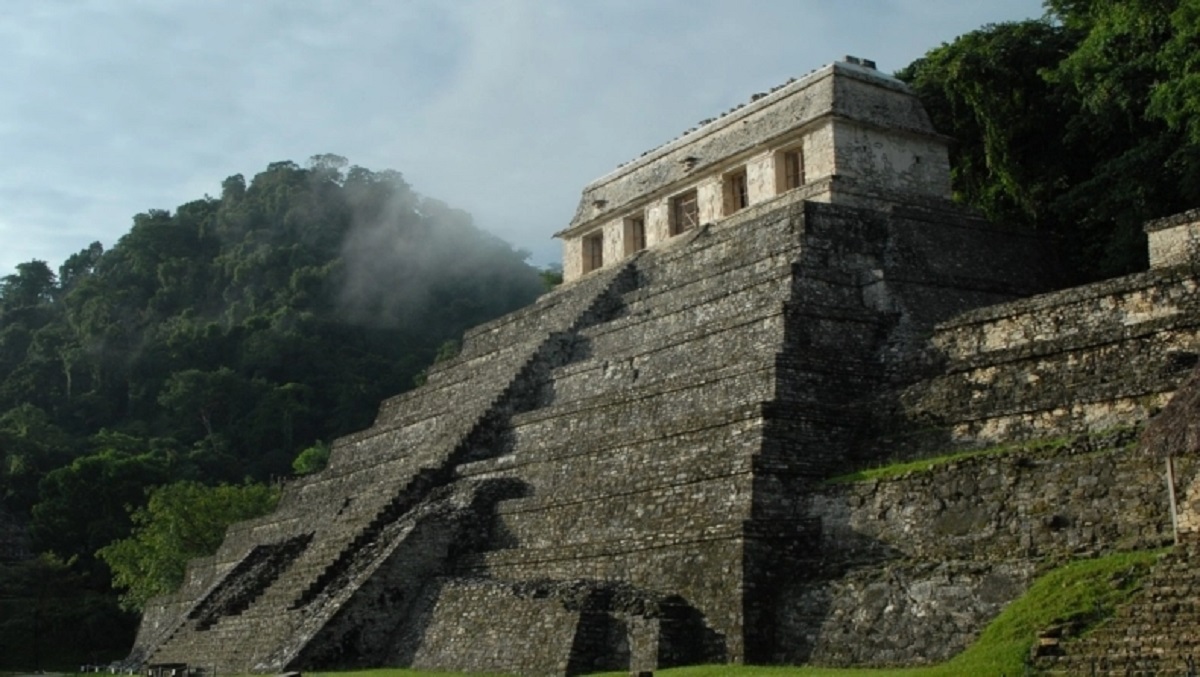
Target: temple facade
843, 134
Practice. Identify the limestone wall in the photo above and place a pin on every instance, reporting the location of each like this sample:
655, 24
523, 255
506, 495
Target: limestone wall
907, 162
1175, 240
1082, 359
535, 637
849, 91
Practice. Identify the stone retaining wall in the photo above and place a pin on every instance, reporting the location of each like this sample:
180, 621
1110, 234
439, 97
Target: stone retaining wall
1072, 361
911, 568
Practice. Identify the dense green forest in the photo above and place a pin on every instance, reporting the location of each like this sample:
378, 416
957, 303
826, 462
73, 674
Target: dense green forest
1082, 125
210, 346
151, 392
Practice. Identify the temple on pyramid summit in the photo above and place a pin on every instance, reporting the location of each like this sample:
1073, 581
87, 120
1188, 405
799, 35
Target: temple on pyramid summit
634, 472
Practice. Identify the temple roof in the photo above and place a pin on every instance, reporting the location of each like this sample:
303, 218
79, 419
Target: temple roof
845, 90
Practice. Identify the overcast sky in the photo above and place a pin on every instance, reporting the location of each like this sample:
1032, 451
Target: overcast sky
505, 108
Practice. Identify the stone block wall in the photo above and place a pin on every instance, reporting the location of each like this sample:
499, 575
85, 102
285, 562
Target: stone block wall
1082, 359
910, 569
1174, 240
914, 163
535, 637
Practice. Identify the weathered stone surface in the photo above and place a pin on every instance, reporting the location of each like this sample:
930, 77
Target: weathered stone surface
918, 613
1154, 634
1174, 240
925, 560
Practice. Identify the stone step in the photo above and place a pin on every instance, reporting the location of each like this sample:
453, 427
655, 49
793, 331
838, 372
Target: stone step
227, 644
569, 307
596, 559
468, 383
835, 342
690, 505
726, 349
1095, 376
498, 349
540, 462
748, 285
631, 333
336, 543
601, 559
1135, 640
1133, 305
407, 447
712, 251
772, 276
640, 407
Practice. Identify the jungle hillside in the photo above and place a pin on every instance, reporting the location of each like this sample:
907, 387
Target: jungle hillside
169, 382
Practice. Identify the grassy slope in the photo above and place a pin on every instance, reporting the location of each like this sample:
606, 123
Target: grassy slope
903, 468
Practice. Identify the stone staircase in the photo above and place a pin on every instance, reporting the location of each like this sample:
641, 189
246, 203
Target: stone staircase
676, 486
344, 531
248, 581
1156, 633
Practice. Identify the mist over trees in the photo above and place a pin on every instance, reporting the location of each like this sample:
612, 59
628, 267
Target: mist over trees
1083, 125
211, 346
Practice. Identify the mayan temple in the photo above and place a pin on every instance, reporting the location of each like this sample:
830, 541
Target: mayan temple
632, 473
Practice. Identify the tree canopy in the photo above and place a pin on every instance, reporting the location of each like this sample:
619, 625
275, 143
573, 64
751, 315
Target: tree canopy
1082, 124
212, 346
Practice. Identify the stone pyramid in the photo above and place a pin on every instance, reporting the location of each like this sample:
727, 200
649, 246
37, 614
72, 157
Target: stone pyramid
622, 475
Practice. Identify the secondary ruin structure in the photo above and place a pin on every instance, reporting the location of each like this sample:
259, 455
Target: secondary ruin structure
632, 472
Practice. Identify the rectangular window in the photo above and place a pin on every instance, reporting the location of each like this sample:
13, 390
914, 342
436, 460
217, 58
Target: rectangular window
685, 212
635, 233
593, 252
789, 165
736, 195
